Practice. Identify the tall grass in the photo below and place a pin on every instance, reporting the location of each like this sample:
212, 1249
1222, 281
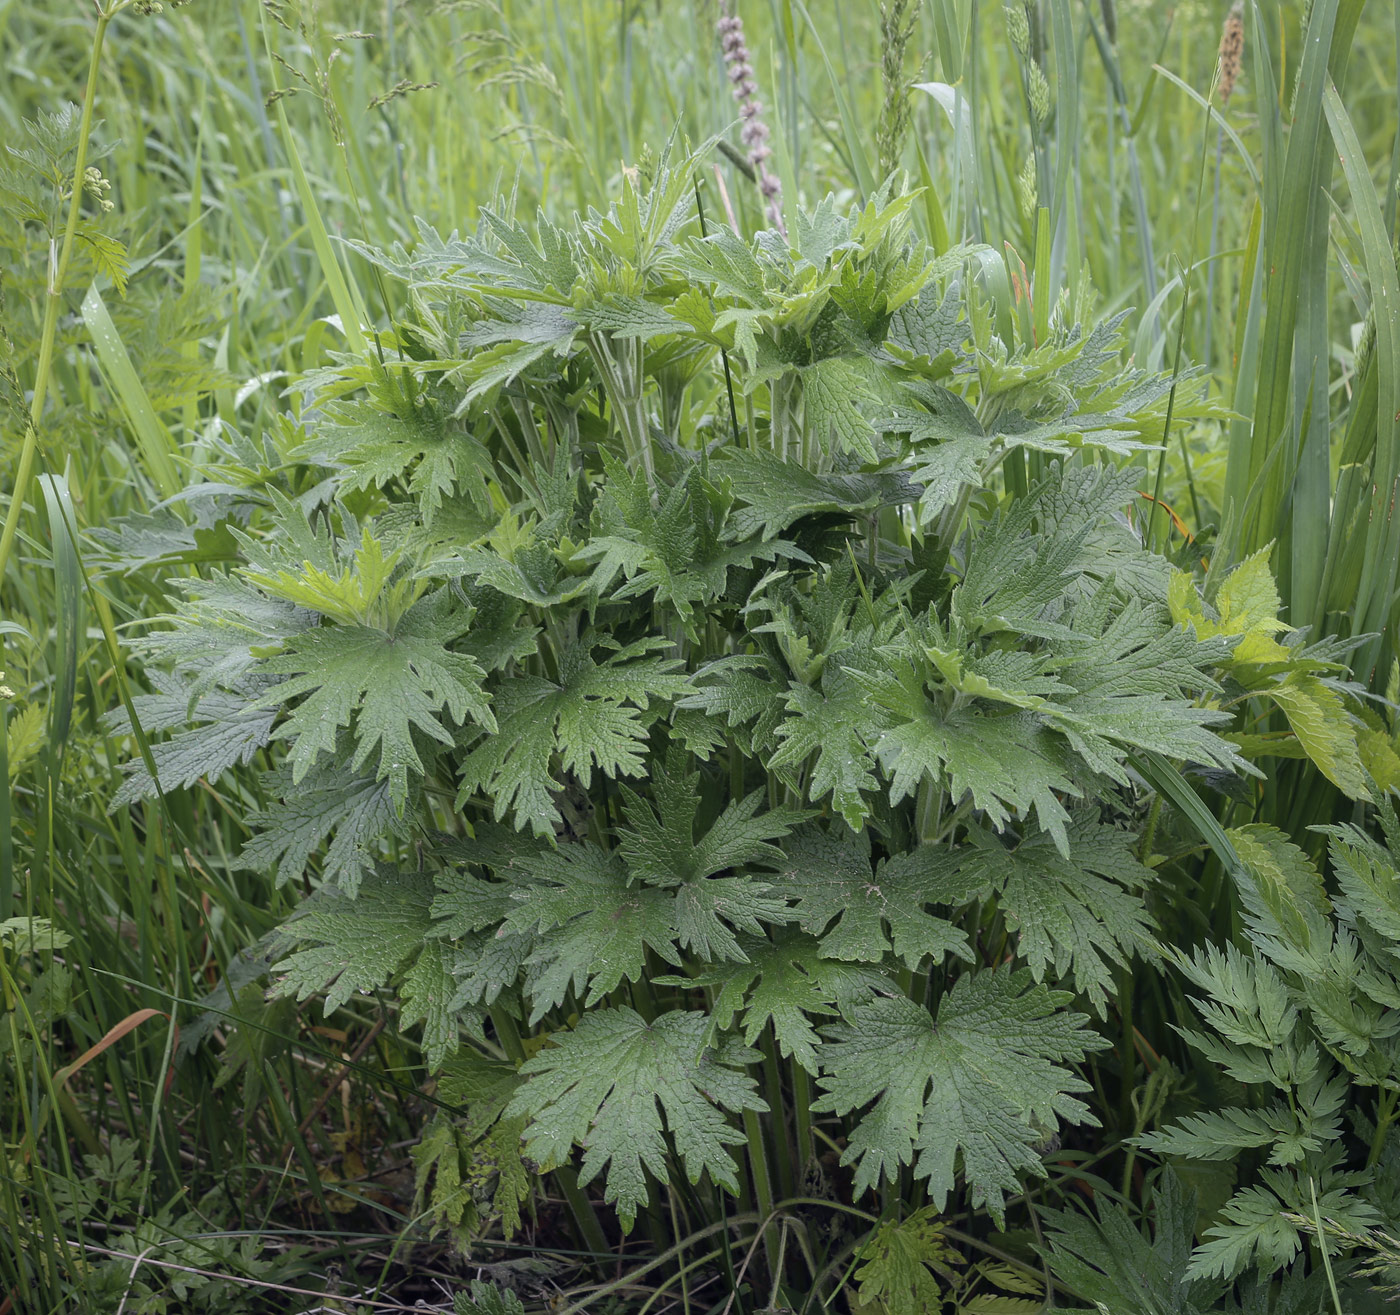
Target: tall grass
274, 1131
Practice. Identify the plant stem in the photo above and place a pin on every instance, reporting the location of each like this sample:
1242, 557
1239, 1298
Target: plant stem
802, 1114
53, 298
762, 1185
582, 1210
1385, 1115
787, 1182
508, 1035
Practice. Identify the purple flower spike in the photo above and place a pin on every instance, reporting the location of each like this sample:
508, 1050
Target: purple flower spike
755, 131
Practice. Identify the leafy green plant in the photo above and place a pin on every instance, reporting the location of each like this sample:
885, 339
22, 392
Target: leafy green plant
663, 667
1304, 1022
910, 1266
733, 729
1107, 1260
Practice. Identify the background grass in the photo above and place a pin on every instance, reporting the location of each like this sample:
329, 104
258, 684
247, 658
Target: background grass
279, 1153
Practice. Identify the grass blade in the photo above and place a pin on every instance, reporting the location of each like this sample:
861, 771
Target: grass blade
69, 594
348, 304
155, 441
1376, 591
865, 178
1169, 782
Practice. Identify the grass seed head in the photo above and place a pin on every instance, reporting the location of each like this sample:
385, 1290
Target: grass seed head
897, 21
1018, 27
1039, 93
1231, 49
1026, 188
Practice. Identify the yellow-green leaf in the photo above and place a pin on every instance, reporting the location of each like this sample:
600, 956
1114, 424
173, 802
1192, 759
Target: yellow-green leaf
1326, 730
1248, 600
1247, 605
1378, 751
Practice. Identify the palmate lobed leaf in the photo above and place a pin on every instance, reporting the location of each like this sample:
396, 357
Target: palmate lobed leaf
592, 926
1080, 917
386, 684
832, 393
228, 731
428, 994
860, 913
979, 1085
357, 944
660, 849
776, 494
681, 552
660, 845
221, 624
1006, 762
608, 1085
433, 456
785, 982
595, 912
596, 717
902, 1263
743, 693
829, 729
332, 802
353, 943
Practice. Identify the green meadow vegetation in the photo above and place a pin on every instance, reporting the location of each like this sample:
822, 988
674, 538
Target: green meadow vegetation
664, 656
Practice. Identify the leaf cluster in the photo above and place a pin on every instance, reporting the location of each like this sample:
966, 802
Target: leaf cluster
1305, 1020
686, 729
